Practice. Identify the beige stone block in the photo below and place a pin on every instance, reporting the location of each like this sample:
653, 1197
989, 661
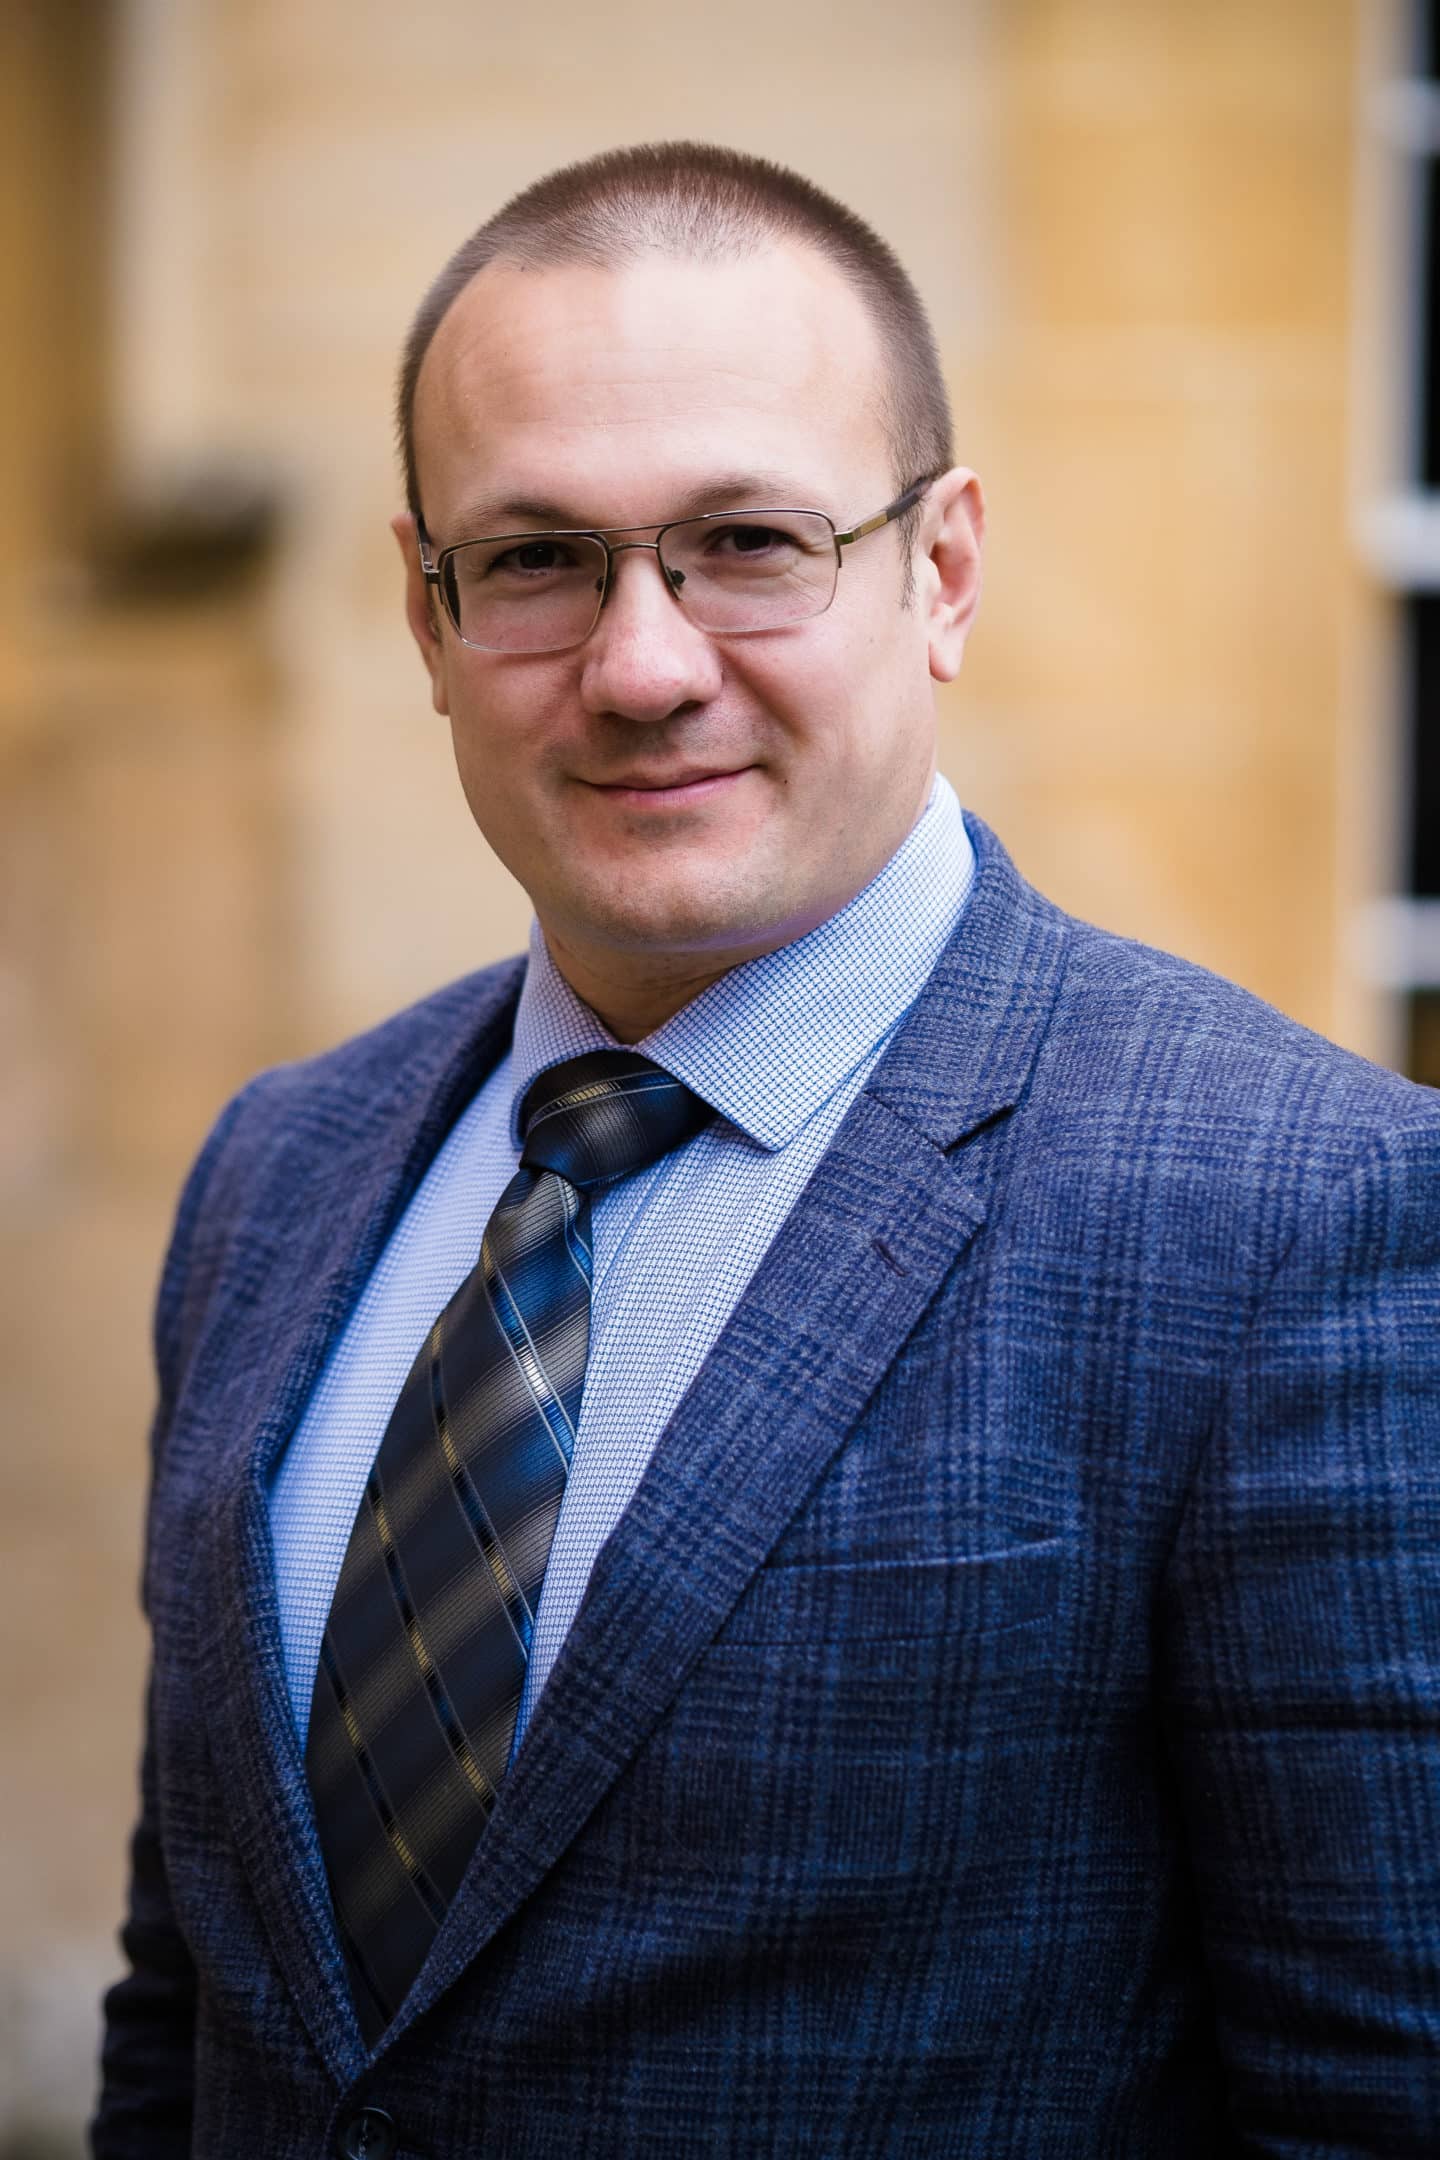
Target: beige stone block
150, 896
1178, 164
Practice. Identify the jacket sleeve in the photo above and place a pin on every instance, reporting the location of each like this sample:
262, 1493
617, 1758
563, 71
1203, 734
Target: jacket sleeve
1302, 1659
146, 2083
146, 2098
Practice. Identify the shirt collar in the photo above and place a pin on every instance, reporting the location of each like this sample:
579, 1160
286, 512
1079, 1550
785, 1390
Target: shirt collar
768, 1044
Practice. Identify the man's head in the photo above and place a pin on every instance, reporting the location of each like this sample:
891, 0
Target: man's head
663, 332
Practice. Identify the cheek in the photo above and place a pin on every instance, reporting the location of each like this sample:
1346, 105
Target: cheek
840, 709
499, 735
493, 780
472, 737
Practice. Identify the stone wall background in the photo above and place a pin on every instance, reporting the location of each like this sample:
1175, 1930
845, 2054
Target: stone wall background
229, 830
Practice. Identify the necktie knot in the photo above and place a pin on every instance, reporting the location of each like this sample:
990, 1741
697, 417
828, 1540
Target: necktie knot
605, 1116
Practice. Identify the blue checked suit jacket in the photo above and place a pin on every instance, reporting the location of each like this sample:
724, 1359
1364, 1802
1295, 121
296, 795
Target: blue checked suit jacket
1005, 1721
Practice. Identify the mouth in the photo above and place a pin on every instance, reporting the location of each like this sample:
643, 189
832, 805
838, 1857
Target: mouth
660, 791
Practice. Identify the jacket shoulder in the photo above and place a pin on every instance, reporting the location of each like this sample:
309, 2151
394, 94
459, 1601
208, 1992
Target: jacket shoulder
1176, 1100
1134, 1017
417, 1039
298, 1123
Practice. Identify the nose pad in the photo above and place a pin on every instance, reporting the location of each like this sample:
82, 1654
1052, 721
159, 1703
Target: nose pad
672, 579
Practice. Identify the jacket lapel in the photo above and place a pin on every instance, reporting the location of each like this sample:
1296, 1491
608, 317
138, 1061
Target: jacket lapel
314, 1254
894, 1204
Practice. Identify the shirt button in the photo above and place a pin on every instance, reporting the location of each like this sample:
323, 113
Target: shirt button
366, 2135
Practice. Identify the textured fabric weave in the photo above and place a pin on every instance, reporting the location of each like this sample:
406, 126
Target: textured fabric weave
781, 1047
424, 1656
1035, 1753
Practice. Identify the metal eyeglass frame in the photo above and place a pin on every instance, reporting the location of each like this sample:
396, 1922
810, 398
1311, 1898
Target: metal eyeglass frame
433, 566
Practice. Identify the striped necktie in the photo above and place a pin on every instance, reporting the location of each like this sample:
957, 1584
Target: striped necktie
428, 1639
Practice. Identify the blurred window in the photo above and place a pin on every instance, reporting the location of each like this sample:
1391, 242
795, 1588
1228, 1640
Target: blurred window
1423, 611
1426, 49
1408, 528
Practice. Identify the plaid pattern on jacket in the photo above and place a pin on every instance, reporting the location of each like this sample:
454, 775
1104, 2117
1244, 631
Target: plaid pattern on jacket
1005, 1723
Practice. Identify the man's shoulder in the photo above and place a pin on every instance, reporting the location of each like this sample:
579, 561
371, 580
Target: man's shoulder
300, 1136
1179, 1114
420, 1039
1133, 1017
1168, 1093
1138, 1045
343, 1099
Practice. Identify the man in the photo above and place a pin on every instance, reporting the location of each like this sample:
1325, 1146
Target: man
983, 1699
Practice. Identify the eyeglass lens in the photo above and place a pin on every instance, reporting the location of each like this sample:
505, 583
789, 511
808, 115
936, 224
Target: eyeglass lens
541, 592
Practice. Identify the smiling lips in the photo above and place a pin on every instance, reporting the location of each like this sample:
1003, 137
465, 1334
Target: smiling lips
657, 791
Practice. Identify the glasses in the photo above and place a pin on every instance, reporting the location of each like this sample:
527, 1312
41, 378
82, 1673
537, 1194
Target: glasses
734, 572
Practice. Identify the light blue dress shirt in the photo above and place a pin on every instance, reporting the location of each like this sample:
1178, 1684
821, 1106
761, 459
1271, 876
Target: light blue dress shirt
780, 1047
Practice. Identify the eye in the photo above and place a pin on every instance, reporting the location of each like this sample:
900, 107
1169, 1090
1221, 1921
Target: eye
532, 558
750, 540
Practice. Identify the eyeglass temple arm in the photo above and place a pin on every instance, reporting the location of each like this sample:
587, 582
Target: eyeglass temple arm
427, 549
893, 510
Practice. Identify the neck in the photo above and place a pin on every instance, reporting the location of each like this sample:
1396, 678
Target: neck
631, 999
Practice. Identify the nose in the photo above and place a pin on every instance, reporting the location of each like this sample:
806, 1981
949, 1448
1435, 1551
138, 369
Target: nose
645, 659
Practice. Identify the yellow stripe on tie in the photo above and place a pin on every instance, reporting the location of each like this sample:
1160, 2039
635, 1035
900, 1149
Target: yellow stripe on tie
483, 1790
393, 1831
505, 1582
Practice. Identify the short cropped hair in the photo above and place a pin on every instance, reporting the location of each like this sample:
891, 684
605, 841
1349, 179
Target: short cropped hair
707, 204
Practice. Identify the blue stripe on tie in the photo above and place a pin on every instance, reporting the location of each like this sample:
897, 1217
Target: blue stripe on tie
360, 1964
512, 1600
424, 1889
576, 1245
511, 1323
449, 1724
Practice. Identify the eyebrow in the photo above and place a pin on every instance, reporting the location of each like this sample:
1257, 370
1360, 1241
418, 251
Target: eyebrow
484, 515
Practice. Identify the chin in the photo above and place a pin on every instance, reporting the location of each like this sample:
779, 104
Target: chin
710, 914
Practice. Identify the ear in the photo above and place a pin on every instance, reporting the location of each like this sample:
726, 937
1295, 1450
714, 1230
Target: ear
952, 533
421, 611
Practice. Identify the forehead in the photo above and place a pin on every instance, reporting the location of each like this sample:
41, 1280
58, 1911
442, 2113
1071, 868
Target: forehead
630, 387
